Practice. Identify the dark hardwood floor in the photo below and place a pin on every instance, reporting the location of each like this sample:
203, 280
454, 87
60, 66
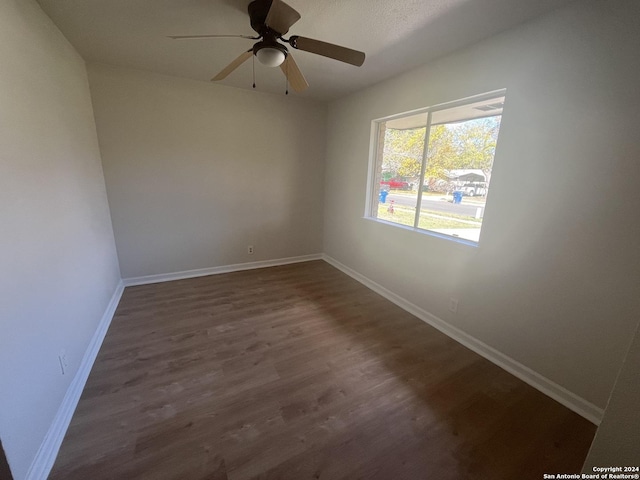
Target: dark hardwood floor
300, 372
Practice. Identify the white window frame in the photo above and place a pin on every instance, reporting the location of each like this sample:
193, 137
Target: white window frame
373, 186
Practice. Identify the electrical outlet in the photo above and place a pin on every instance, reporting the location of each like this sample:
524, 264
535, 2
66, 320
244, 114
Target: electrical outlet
453, 305
62, 359
250, 249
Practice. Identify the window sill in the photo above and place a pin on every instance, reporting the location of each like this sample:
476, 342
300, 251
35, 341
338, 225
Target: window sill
430, 233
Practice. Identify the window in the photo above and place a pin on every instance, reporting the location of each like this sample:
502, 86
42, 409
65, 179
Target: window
431, 169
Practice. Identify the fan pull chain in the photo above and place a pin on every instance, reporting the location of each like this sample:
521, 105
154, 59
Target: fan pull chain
254, 70
286, 78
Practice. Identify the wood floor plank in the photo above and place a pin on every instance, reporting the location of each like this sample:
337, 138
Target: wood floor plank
300, 372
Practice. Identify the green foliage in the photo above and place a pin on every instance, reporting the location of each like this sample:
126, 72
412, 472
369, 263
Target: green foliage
442, 154
476, 141
409, 167
403, 149
463, 145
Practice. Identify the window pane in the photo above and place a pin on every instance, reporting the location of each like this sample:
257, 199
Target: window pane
402, 149
457, 176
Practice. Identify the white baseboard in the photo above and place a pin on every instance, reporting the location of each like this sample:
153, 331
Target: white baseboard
48, 451
569, 399
203, 272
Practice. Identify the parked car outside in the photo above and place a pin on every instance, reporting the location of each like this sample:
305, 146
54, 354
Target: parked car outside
396, 184
474, 189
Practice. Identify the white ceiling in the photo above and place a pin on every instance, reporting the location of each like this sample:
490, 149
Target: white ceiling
396, 35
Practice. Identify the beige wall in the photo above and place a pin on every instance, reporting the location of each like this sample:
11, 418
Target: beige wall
617, 441
57, 255
196, 172
554, 283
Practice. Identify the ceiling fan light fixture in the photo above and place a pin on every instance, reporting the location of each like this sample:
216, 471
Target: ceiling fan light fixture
271, 56
271, 19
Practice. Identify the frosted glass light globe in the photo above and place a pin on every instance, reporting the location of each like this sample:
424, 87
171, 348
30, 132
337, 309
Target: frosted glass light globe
270, 57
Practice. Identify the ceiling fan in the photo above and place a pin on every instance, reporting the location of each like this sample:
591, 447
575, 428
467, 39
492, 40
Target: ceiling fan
271, 19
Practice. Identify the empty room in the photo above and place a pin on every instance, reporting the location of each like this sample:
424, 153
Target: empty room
298, 240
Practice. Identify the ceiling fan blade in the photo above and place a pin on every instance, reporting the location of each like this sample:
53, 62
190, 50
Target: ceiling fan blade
182, 37
233, 65
343, 54
296, 79
281, 16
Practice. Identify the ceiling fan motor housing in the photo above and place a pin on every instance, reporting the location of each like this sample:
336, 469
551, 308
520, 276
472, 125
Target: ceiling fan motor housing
258, 11
269, 51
